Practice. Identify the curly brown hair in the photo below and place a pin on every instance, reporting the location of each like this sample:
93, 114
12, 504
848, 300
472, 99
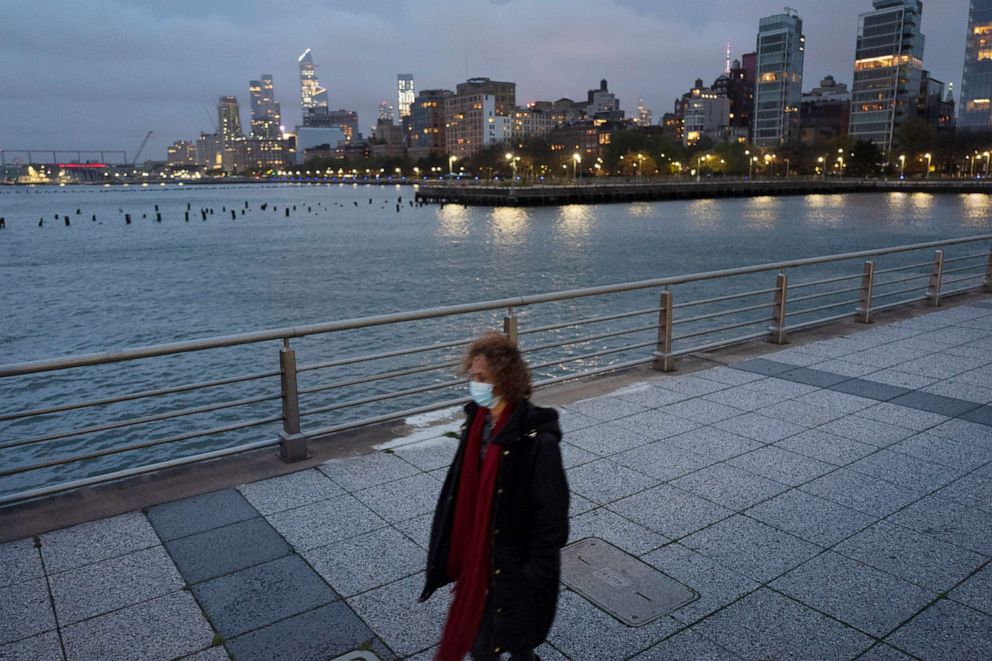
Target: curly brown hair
510, 373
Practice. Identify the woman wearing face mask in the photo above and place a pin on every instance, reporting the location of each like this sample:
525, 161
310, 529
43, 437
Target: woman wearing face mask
502, 517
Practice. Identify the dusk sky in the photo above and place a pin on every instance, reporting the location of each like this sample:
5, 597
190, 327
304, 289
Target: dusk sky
100, 74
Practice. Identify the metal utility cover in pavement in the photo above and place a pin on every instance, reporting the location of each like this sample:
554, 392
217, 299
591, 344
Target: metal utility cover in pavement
631, 591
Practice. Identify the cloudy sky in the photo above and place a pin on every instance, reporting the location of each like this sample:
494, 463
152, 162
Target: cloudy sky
101, 73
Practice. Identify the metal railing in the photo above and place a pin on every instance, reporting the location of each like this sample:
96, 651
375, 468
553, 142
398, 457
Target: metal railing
577, 339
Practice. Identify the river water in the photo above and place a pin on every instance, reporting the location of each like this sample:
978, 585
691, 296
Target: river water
344, 251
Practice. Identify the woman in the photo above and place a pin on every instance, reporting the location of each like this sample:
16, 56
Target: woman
502, 516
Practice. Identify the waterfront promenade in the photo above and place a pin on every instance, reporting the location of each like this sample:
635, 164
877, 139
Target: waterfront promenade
828, 500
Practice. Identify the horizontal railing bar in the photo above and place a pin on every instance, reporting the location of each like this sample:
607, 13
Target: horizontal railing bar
719, 344
132, 472
820, 308
386, 354
895, 293
137, 395
386, 417
595, 354
982, 255
962, 290
381, 398
966, 268
710, 331
921, 265
919, 276
382, 376
810, 297
587, 339
724, 313
951, 281
140, 446
590, 320
593, 372
720, 299
825, 281
819, 322
131, 422
32, 367
895, 304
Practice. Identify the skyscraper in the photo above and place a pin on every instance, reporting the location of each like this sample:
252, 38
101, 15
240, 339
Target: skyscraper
265, 115
888, 70
312, 95
976, 88
778, 89
405, 93
229, 119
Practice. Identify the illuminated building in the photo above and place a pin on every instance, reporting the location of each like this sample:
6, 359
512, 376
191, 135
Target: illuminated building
778, 80
229, 119
385, 111
181, 152
404, 93
976, 90
705, 113
477, 115
427, 122
531, 122
888, 70
313, 97
265, 115
644, 117
826, 112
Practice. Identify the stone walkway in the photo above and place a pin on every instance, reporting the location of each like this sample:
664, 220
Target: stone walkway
829, 501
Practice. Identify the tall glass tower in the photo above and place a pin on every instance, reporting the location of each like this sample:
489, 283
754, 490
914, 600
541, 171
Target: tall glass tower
405, 93
265, 115
312, 95
888, 70
778, 89
976, 91
229, 119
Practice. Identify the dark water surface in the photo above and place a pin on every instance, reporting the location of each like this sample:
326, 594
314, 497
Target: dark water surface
103, 285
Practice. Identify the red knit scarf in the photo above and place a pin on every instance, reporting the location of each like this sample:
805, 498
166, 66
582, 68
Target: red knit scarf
468, 557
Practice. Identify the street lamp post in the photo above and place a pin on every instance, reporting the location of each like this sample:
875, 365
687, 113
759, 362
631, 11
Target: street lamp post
451, 163
929, 158
576, 159
699, 166
747, 155
788, 166
987, 155
823, 166
902, 166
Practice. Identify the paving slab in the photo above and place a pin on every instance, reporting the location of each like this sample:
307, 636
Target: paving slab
976, 590
730, 486
904, 381
650, 396
192, 515
865, 430
867, 599
974, 490
938, 367
763, 366
124, 581
911, 555
430, 454
368, 470
798, 413
954, 455
687, 645
97, 540
691, 385
905, 470
325, 522
927, 401
760, 428
656, 425
883, 652
607, 439
866, 388
964, 526
605, 409
572, 456
622, 533
418, 529
316, 635
583, 631
19, 561
367, 562
605, 481
780, 465
813, 519
662, 460
701, 410
767, 625
570, 421
843, 367
715, 444
579, 505
745, 399
903, 416
43, 647
25, 610
164, 628
750, 547
967, 432
285, 492
215, 653
729, 376
717, 585
982, 415
830, 448
813, 377
261, 595
402, 499
961, 390
393, 612
669, 511
224, 550
946, 630
861, 492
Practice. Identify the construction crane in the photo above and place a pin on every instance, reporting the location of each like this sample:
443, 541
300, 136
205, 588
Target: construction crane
144, 142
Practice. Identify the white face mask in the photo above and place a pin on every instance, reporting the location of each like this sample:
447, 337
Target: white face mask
482, 394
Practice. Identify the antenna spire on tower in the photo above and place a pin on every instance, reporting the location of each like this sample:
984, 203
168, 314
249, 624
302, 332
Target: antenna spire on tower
727, 71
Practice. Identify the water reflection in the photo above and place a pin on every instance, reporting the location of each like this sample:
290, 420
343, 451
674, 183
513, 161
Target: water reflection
761, 213
703, 214
820, 211
574, 222
641, 209
453, 221
508, 225
976, 210
923, 201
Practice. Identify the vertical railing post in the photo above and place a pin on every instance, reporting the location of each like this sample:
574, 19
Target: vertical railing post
777, 332
936, 276
864, 304
510, 325
663, 359
292, 444
988, 273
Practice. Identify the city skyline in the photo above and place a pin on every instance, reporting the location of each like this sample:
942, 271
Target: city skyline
98, 83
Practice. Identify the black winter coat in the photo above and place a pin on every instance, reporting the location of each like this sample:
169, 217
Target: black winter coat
528, 527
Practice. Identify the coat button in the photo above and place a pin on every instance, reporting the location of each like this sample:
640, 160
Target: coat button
499, 610
499, 491
496, 531
496, 573
506, 453
498, 650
